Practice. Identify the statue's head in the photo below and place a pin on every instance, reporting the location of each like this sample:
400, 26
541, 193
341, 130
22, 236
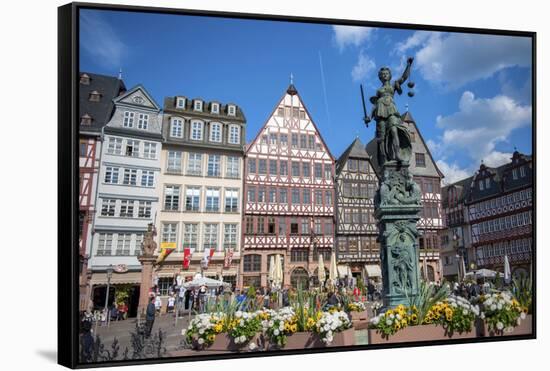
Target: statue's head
384, 74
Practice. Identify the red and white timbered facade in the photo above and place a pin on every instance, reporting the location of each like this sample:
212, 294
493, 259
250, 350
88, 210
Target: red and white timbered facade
500, 211
289, 196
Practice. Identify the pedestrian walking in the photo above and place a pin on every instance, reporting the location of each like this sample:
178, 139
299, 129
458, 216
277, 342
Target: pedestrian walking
158, 303
150, 316
171, 302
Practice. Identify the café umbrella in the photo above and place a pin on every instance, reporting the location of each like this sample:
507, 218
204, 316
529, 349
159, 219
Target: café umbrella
507, 273
272, 267
333, 270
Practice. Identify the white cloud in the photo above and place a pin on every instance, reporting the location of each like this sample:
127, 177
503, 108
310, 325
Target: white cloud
454, 59
453, 172
101, 41
481, 123
364, 66
496, 158
351, 35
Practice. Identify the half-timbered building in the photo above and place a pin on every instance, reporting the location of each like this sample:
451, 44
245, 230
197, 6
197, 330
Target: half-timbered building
456, 246
500, 211
289, 196
357, 249
201, 189
127, 199
96, 94
428, 176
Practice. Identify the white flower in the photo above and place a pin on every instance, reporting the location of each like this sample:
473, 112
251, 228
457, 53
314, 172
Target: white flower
499, 306
270, 323
392, 316
242, 338
241, 322
201, 341
398, 316
238, 314
201, 331
493, 307
252, 346
375, 320
276, 332
522, 315
183, 332
388, 322
464, 312
482, 315
500, 325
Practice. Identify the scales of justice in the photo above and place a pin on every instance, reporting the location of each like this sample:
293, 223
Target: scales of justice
398, 199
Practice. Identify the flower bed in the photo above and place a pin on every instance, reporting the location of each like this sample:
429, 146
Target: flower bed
418, 333
308, 340
525, 327
503, 315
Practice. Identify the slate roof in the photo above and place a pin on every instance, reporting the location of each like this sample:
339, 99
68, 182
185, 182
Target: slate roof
418, 146
463, 187
355, 150
109, 87
170, 105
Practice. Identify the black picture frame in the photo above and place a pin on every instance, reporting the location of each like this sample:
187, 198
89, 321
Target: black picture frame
68, 181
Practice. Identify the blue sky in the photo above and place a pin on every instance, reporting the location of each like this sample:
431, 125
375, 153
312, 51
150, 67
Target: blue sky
473, 92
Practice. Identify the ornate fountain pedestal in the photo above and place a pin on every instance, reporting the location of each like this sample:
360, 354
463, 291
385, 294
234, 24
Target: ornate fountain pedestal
397, 211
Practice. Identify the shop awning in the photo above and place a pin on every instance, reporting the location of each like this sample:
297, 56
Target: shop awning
100, 278
343, 271
373, 270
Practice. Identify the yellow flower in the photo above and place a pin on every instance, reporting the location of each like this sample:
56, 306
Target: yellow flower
211, 337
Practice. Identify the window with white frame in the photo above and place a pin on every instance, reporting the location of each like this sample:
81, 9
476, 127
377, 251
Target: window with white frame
194, 164
180, 102
231, 110
197, 105
123, 244
234, 134
210, 236
232, 168
174, 162
147, 178
169, 232
108, 206
105, 244
139, 241
130, 177
111, 175
522, 171
515, 174
190, 235
114, 146
230, 236
212, 199
196, 130
215, 108
128, 121
150, 150
231, 200
144, 209
192, 198
215, 132
132, 148
171, 197
213, 165
176, 128
487, 183
143, 121
127, 208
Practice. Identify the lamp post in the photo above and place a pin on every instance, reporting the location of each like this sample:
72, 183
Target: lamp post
109, 275
460, 275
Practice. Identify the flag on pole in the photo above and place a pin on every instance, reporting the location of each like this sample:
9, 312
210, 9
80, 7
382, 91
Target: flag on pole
166, 248
228, 258
186, 257
208, 253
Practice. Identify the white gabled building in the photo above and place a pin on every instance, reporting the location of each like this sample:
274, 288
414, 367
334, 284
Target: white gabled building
127, 196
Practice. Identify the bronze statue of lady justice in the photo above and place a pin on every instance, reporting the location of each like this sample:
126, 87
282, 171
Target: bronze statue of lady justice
393, 138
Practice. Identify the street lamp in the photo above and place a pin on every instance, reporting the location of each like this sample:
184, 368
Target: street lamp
456, 240
109, 275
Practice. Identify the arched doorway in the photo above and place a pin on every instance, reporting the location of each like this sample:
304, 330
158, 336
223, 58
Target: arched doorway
299, 276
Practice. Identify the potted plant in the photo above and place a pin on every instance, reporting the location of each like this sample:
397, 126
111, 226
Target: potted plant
503, 315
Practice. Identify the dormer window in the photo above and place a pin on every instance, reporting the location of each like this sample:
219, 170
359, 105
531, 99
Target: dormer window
85, 79
197, 105
231, 110
215, 132
215, 108
481, 188
487, 183
95, 96
180, 102
128, 121
515, 174
86, 120
522, 171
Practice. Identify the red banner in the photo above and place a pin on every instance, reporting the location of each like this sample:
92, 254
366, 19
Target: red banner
186, 257
228, 258
208, 253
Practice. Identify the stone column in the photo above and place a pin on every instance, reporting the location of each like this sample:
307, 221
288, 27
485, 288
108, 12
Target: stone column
397, 211
146, 282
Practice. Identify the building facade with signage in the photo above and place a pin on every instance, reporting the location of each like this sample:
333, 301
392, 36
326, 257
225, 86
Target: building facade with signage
127, 196
96, 94
357, 249
201, 189
500, 213
428, 176
289, 197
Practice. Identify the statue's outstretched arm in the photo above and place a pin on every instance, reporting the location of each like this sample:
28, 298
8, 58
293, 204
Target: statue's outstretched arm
407, 71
